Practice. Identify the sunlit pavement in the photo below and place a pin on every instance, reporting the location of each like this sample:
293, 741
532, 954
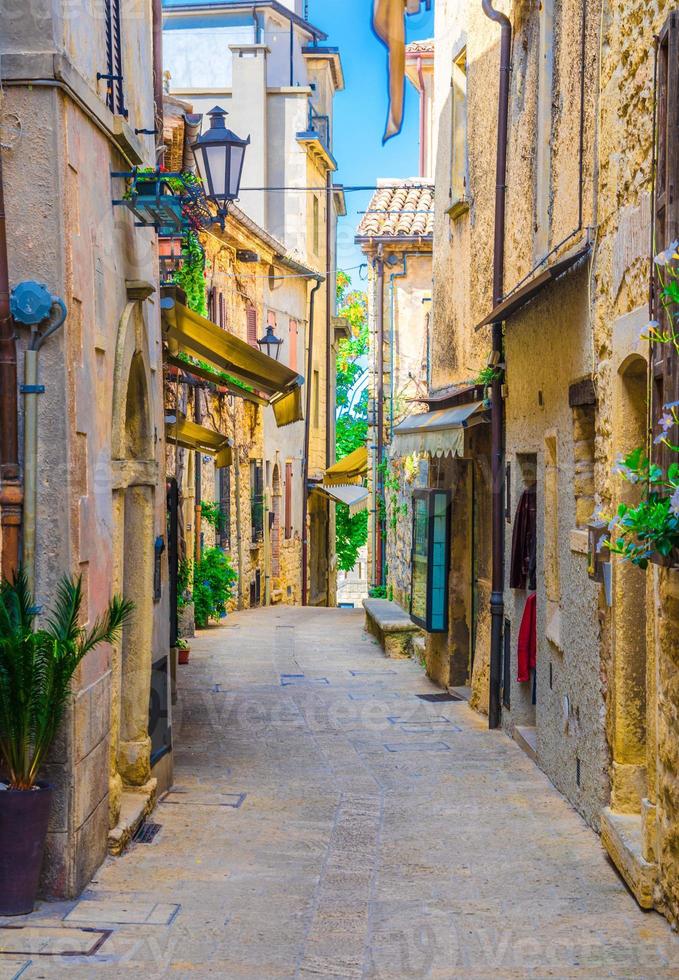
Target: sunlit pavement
326, 822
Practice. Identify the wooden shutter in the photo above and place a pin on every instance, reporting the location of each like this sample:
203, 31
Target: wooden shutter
288, 500
114, 59
664, 358
251, 316
211, 304
222, 311
292, 344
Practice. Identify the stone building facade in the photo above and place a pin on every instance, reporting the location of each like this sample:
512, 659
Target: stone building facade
395, 235
251, 283
100, 457
599, 711
277, 80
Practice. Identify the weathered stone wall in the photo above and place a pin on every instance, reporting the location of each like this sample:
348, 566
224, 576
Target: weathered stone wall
91, 520
641, 639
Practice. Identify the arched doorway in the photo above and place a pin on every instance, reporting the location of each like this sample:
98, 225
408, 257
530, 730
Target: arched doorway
135, 473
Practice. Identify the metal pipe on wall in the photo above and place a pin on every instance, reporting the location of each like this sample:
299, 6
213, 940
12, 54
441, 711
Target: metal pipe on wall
31, 390
305, 460
497, 406
158, 88
11, 491
379, 397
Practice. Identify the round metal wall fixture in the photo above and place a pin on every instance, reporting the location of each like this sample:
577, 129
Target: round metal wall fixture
30, 302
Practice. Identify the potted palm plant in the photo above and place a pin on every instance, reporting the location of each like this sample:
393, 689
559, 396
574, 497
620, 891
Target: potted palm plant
36, 668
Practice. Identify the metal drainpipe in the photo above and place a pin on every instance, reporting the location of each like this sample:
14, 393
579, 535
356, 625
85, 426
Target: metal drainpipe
30, 393
497, 408
379, 477
329, 401
305, 460
11, 492
423, 110
158, 88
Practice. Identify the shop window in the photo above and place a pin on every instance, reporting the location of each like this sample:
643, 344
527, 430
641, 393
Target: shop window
430, 560
257, 499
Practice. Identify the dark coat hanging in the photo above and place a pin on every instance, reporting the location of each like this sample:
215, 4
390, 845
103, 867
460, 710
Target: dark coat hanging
524, 542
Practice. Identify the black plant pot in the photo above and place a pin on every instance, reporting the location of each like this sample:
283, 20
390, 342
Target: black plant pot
23, 828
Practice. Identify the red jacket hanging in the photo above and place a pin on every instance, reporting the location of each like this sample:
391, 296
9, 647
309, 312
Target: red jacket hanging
528, 639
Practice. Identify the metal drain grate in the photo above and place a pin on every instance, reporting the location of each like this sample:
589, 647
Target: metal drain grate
145, 832
436, 698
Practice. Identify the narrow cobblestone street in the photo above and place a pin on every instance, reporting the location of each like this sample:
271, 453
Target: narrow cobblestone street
327, 822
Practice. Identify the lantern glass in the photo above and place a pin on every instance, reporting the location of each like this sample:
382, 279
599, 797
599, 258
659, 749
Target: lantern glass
270, 344
220, 155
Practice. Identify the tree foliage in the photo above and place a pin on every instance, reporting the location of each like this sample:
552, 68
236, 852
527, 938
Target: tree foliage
352, 412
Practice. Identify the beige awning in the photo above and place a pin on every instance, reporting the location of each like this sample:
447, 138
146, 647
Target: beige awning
250, 373
350, 469
190, 435
438, 433
355, 498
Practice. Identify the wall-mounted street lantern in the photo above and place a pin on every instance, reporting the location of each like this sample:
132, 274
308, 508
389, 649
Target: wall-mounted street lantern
219, 156
270, 344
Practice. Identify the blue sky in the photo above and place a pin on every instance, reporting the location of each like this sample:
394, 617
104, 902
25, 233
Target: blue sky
361, 110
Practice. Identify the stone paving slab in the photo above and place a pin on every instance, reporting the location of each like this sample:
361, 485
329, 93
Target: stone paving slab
344, 859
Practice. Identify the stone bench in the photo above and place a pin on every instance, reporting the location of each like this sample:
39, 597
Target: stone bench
391, 625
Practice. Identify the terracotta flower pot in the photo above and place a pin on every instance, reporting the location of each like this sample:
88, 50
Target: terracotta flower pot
184, 655
23, 829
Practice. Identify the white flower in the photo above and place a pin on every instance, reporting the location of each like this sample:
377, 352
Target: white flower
662, 258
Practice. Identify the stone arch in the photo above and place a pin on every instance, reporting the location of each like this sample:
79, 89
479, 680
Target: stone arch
135, 475
628, 707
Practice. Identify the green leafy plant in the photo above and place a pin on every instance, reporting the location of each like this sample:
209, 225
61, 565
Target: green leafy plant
652, 526
182, 644
487, 375
390, 507
377, 592
213, 581
213, 515
191, 277
37, 666
352, 534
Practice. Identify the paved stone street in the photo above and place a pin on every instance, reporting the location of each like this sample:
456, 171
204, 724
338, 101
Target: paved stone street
326, 822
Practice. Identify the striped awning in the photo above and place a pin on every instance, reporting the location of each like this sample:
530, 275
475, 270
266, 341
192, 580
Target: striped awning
438, 433
229, 361
355, 498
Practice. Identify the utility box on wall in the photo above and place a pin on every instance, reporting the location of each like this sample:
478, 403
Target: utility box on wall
430, 559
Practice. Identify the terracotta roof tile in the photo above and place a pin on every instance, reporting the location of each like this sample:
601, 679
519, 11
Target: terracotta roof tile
399, 208
420, 47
